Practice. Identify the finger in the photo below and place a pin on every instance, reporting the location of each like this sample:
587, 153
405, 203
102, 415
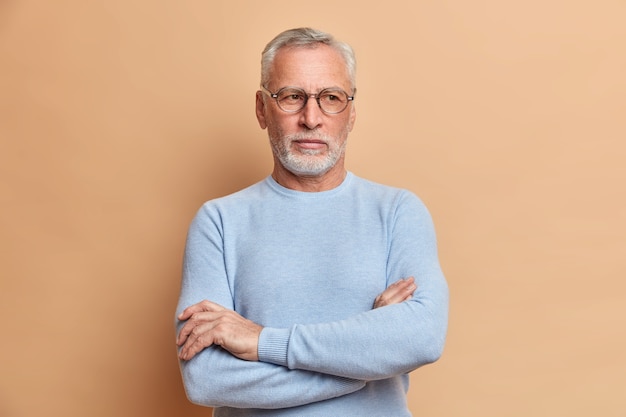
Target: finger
411, 286
397, 292
203, 333
399, 289
407, 288
408, 281
200, 338
408, 297
189, 311
204, 305
410, 290
402, 283
211, 331
194, 321
184, 332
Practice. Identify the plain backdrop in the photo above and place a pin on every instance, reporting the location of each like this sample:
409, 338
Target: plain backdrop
119, 118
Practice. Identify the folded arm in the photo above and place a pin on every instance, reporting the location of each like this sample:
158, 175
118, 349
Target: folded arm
303, 363
208, 323
206, 326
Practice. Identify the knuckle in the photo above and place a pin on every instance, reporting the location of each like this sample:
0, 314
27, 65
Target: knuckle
220, 327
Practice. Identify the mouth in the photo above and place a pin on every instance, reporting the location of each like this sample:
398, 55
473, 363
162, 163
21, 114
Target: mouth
310, 143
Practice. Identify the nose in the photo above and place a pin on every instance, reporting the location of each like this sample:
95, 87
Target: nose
311, 115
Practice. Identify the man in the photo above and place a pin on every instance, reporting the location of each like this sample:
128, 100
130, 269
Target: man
313, 292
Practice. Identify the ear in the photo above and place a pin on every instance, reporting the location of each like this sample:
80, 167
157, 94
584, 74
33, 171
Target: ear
352, 117
260, 110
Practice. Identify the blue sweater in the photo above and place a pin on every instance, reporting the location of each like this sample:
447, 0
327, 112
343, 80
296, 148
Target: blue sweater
307, 267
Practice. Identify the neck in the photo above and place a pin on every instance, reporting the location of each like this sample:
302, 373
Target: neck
327, 181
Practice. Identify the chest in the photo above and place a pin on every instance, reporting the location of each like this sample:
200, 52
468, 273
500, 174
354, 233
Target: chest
308, 270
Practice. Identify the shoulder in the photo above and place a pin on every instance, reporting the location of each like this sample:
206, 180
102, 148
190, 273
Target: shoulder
252, 192
234, 204
385, 193
399, 206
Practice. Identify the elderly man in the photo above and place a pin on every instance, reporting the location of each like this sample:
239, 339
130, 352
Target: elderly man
313, 292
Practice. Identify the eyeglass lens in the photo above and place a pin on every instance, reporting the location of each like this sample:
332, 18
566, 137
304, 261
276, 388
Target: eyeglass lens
330, 100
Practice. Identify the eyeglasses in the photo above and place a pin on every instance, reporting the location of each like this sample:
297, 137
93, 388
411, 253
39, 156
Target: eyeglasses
292, 99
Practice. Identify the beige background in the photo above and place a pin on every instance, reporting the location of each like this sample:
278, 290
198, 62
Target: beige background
119, 118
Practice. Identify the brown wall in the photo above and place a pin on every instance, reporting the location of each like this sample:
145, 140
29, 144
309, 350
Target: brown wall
119, 118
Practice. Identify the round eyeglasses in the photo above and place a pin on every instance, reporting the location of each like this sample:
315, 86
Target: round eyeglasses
293, 99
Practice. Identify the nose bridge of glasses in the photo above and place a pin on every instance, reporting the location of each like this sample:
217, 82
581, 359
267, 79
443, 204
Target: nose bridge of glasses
315, 96
317, 105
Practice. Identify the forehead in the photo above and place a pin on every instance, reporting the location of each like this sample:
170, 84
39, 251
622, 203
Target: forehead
309, 68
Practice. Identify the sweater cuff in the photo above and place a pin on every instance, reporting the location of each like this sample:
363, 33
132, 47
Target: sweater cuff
273, 345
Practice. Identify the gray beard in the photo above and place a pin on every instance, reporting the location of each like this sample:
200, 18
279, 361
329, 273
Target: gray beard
307, 163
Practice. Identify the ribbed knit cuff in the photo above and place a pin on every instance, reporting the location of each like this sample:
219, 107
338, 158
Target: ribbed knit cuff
273, 345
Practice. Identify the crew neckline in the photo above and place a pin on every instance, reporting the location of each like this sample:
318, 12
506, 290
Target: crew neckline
309, 194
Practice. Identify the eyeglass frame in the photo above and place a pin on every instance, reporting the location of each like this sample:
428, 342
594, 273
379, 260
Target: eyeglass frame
307, 96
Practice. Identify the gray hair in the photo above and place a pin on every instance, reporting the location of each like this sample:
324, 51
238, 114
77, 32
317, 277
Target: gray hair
306, 38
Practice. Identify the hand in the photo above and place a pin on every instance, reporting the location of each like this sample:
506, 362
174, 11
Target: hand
397, 292
211, 324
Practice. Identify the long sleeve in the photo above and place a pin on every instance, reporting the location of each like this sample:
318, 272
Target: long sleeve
386, 341
216, 378
307, 267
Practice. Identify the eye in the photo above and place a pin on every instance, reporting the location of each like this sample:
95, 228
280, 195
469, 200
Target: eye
333, 97
291, 96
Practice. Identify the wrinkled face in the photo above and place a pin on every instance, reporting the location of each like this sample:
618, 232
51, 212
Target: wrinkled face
309, 142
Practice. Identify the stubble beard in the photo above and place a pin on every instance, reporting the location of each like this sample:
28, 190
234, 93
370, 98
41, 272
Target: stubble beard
307, 162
